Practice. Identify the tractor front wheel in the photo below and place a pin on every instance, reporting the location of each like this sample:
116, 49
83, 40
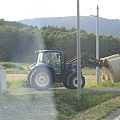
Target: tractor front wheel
73, 81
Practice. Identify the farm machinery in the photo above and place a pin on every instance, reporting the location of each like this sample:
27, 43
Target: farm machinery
52, 67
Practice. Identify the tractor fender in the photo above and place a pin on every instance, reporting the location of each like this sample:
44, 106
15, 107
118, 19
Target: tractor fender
40, 66
31, 66
44, 65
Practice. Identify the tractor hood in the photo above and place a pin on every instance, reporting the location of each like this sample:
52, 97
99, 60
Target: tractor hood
34, 65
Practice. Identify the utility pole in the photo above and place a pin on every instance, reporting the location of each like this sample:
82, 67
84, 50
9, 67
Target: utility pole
97, 44
78, 53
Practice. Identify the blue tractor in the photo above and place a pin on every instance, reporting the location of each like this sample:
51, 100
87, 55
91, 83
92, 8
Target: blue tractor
52, 67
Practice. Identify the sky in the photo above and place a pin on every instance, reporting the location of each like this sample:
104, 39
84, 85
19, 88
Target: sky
14, 10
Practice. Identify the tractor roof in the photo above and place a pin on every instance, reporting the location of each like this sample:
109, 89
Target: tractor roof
58, 51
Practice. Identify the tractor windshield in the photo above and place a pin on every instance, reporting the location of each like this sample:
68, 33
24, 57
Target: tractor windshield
53, 58
40, 58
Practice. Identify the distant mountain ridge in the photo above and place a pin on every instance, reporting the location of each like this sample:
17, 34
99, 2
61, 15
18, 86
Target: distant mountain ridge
88, 23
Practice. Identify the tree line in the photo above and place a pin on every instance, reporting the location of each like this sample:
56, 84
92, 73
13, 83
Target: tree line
17, 44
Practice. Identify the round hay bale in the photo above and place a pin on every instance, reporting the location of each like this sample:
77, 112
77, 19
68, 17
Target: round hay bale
103, 72
114, 68
107, 74
111, 57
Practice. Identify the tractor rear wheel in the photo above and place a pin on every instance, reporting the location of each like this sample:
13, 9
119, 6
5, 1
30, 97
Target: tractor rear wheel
42, 79
72, 81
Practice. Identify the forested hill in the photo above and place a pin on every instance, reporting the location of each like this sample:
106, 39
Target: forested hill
88, 23
12, 23
18, 42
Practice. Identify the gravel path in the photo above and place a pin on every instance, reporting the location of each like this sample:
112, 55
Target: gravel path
102, 89
66, 90
32, 107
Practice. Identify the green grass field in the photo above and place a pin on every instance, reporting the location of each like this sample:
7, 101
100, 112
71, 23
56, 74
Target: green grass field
92, 105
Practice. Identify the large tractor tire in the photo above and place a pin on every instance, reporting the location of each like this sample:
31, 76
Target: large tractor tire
42, 79
29, 76
66, 84
72, 81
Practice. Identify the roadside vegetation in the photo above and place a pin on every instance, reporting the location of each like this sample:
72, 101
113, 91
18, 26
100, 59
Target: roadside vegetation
92, 104
15, 68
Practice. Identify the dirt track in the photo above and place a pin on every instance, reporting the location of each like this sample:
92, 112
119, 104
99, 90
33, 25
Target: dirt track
65, 90
16, 76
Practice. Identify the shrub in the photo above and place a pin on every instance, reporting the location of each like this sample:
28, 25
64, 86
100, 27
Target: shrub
11, 65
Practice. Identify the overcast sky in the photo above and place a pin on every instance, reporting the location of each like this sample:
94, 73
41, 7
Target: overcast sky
13, 10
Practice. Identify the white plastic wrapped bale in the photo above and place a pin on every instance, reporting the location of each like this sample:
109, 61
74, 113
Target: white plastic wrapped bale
107, 73
114, 68
2, 79
111, 57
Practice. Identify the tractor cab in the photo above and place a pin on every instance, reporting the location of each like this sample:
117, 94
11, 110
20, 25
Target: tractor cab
52, 58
